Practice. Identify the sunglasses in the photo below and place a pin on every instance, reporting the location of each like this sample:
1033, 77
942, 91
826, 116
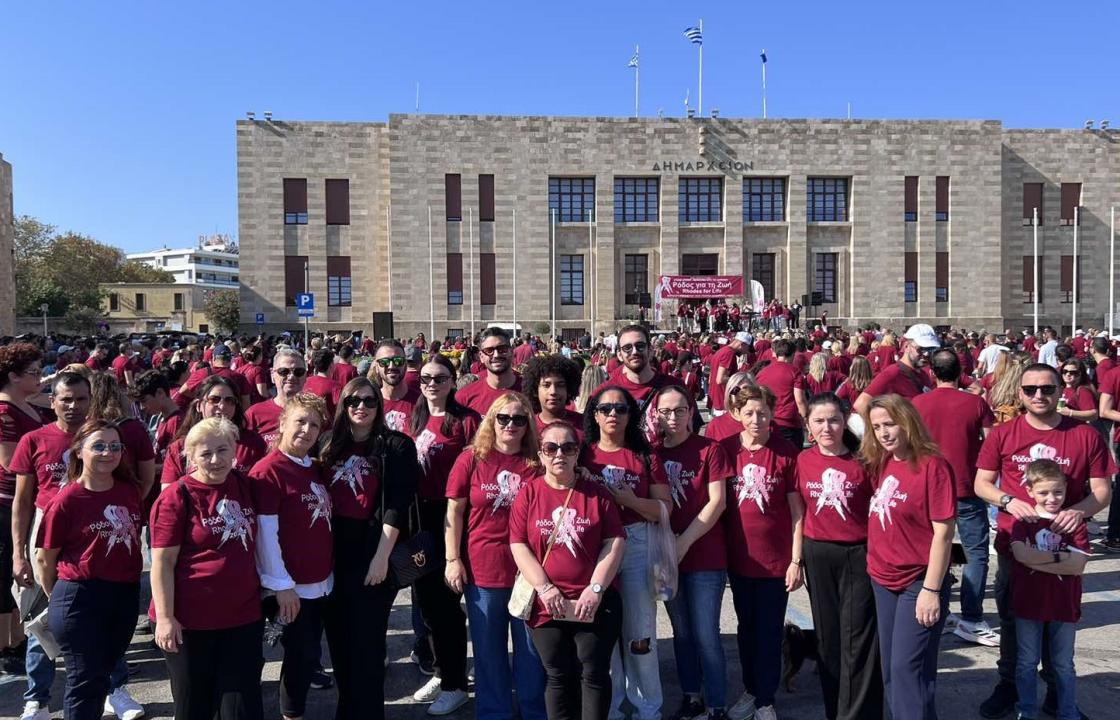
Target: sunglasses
294, 372
215, 400
102, 447
568, 449
617, 408
391, 362
496, 350
434, 379
1046, 390
1070, 371
354, 401
517, 420
631, 348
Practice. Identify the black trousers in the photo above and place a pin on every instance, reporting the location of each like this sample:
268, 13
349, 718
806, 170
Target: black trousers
356, 619
93, 622
844, 617
577, 661
302, 641
760, 612
441, 608
216, 674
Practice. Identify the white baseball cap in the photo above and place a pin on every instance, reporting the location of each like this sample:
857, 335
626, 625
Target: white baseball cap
923, 335
743, 337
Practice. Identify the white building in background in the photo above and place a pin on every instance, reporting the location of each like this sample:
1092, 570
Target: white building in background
213, 263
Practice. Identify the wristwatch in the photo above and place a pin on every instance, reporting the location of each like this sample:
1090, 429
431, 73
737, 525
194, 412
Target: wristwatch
597, 588
1004, 501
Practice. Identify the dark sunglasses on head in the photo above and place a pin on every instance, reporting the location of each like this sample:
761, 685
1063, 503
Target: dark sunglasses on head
517, 420
1046, 390
354, 401
393, 361
434, 379
496, 350
631, 348
568, 449
620, 408
294, 372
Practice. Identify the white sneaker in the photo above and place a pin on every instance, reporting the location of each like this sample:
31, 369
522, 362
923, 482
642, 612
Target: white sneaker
121, 704
951, 623
743, 709
766, 713
429, 692
977, 632
448, 702
32, 710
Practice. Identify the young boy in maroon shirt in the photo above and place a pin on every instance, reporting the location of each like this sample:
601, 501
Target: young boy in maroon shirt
1047, 591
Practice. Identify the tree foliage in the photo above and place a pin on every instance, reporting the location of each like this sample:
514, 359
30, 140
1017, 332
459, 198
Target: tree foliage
223, 308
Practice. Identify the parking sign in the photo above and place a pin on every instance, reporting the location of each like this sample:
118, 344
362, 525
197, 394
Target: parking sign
305, 304
260, 318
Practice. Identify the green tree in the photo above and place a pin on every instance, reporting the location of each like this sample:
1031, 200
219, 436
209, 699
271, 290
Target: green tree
223, 308
135, 271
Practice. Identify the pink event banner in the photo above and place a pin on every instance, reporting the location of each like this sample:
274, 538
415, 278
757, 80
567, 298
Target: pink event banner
700, 286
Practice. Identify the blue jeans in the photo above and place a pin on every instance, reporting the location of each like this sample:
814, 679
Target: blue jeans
972, 526
1061, 635
694, 614
635, 674
491, 626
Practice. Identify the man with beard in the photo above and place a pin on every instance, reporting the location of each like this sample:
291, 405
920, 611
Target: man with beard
289, 373
397, 396
497, 356
906, 377
636, 374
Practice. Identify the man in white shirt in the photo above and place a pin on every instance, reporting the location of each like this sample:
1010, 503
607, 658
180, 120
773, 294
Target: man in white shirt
986, 362
1046, 351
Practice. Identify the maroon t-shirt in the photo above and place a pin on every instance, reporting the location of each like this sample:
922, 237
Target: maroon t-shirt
14, 424
757, 520
1041, 596
355, 485
1111, 385
44, 453
264, 419
782, 379
840, 364
900, 530
93, 362
956, 420
490, 487
343, 372
250, 448
138, 445
725, 358
254, 375
121, 364
1075, 446
398, 413
166, 431
848, 393
1104, 369
97, 533
689, 468
837, 492
571, 417
292, 492
639, 392
617, 467
325, 388
591, 519
479, 396
1080, 398
196, 378
723, 427
828, 383
882, 358
522, 354
901, 380
215, 528
438, 452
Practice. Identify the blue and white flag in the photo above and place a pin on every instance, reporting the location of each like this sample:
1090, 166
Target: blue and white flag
633, 61
695, 35
763, 56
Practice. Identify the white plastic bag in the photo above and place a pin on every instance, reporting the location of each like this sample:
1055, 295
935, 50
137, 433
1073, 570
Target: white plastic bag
663, 560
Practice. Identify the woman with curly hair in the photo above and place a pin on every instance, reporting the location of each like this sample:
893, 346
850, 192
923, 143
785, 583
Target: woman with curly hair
551, 383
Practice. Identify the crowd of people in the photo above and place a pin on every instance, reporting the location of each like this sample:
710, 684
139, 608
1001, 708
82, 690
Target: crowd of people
548, 495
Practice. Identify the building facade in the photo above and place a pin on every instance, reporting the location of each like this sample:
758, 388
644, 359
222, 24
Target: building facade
214, 263
154, 307
452, 223
7, 251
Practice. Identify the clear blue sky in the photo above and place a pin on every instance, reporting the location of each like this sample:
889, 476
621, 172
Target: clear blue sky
119, 116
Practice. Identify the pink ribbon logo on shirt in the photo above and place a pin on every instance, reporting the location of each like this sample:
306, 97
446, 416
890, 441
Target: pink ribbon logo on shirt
234, 523
122, 530
832, 492
565, 522
509, 484
881, 501
752, 486
676, 487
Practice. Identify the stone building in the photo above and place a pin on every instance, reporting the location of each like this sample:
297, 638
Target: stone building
154, 307
455, 222
7, 251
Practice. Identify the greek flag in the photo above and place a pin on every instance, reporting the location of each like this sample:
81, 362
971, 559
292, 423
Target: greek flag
695, 35
633, 61
763, 56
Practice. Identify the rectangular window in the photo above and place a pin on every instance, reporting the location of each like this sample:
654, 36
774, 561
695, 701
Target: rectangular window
911, 199
910, 275
456, 332
114, 302
338, 202
825, 276
487, 279
454, 278
453, 196
295, 201
636, 278
1032, 198
1067, 278
706, 264
1028, 278
636, 199
572, 335
141, 302
1071, 200
827, 200
338, 281
762, 270
486, 199
700, 200
571, 199
941, 278
571, 279
941, 199
178, 301
293, 278
764, 199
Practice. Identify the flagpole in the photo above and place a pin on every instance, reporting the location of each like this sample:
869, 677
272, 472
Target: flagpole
700, 95
591, 270
764, 83
637, 72
431, 280
389, 250
1111, 270
552, 275
1034, 269
1076, 262
515, 272
470, 267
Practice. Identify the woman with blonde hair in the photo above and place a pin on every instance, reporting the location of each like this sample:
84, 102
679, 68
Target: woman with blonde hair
593, 376
910, 532
1003, 398
859, 377
483, 484
819, 379
884, 356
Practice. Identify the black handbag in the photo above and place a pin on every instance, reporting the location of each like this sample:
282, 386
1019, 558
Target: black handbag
414, 557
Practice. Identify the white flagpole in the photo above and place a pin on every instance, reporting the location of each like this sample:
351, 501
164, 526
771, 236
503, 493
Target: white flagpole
591, 271
552, 275
637, 72
763, 85
1111, 270
389, 251
515, 271
1076, 262
1034, 269
700, 95
470, 271
431, 280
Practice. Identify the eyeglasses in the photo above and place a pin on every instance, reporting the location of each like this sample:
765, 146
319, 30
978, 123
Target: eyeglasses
391, 362
101, 447
294, 372
354, 401
568, 449
1070, 371
215, 400
495, 350
617, 408
517, 420
434, 379
631, 348
1046, 390
678, 413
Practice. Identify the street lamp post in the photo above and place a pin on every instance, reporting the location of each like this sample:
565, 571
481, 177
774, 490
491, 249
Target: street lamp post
44, 307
